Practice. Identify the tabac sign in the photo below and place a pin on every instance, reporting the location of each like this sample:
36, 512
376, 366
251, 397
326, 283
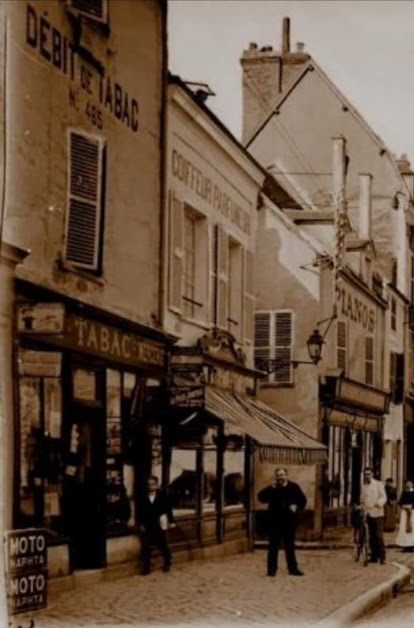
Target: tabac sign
26, 570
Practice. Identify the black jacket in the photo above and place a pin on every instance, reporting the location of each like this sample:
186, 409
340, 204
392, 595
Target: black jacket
279, 500
407, 498
150, 512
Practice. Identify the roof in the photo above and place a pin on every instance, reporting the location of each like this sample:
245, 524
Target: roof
278, 439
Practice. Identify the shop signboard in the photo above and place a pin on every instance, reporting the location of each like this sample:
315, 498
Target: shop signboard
364, 397
26, 570
39, 363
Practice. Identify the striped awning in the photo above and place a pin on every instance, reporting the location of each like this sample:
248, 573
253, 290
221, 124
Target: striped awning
277, 439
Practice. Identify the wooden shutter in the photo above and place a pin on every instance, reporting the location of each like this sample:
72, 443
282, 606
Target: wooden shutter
392, 374
342, 345
248, 296
214, 275
399, 378
85, 183
262, 336
222, 277
283, 343
176, 229
95, 9
369, 360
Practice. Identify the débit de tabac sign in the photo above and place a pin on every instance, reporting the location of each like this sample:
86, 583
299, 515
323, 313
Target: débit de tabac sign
26, 570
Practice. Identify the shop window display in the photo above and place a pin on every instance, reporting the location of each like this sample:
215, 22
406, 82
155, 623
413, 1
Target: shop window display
209, 502
183, 489
234, 473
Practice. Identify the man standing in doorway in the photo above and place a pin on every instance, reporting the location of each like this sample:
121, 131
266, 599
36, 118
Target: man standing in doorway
155, 516
373, 500
285, 501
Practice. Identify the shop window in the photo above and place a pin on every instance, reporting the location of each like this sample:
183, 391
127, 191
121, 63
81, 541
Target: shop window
183, 486
119, 473
84, 215
369, 360
156, 451
210, 485
41, 451
234, 474
274, 340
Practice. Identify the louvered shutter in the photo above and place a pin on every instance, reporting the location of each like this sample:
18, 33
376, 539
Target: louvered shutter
399, 378
222, 277
176, 224
95, 9
284, 346
213, 275
369, 360
262, 337
84, 210
248, 297
342, 345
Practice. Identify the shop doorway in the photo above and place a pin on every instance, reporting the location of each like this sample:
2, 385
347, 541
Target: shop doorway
356, 467
85, 488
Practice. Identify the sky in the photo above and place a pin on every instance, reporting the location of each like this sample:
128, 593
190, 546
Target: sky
365, 46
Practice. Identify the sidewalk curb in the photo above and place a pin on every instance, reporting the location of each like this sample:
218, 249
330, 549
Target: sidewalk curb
374, 598
319, 545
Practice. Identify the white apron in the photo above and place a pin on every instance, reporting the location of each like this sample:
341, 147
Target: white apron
404, 538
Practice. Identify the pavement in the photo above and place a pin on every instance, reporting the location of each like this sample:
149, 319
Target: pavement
228, 591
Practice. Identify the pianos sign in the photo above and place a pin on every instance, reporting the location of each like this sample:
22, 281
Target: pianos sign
26, 570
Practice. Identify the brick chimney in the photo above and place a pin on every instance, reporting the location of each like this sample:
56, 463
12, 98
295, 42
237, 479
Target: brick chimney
266, 73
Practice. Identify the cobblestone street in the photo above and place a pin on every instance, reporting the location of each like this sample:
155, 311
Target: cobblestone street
230, 591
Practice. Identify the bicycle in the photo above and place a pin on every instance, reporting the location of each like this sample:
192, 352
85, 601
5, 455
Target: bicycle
361, 536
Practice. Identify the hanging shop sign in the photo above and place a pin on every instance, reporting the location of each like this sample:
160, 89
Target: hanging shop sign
26, 570
343, 419
39, 363
40, 318
187, 396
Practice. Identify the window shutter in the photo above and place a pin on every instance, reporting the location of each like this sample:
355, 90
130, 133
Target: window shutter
95, 9
399, 378
342, 345
83, 221
213, 275
392, 374
262, 337
248, 297
222, 277
176, 220
369, 360
283, 346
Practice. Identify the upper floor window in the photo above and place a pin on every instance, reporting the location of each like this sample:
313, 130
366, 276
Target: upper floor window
84, 214
397, 372
369, 360
273, 339
342, 345
393, 314
93, 9
188, 260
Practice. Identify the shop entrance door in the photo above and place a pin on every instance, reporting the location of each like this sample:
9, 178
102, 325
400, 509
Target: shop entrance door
356, 470
86, 489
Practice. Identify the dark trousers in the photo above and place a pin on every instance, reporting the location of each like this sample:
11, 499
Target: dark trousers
376, 537
285, 535
157, 537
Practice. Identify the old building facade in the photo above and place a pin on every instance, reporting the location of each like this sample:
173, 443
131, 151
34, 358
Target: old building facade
84, 126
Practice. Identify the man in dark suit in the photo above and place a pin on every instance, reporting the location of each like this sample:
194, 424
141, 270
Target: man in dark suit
155, 517
285, 501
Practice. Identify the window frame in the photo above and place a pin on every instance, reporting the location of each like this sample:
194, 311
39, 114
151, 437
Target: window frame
343, 348
90, 16
369, 361
272, 347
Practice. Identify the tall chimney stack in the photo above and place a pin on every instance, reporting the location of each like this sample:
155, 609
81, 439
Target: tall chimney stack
338, 164
286, 35
365, 206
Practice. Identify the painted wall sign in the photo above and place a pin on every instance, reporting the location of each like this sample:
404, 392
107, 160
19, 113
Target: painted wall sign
231, 380
26, 570
356, 309
207, 189
104, 94
39, 363
40, 318
343, 419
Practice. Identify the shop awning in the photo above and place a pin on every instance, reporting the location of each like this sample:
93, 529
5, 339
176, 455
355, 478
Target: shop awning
277, 439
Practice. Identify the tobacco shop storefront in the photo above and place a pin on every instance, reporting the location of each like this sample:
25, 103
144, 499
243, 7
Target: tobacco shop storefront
214, 429
353, 425
82, 378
